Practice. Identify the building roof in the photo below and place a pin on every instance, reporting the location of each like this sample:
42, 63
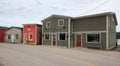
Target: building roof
15, 27
54, 15
32, 24
2, 27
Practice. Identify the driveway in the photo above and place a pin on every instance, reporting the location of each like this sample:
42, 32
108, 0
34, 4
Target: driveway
36, 55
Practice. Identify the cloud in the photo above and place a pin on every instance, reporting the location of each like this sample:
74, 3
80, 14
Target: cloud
32, 11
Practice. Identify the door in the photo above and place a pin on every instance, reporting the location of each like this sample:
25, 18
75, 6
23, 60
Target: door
25, 39
78, 40
54, 39
13, 38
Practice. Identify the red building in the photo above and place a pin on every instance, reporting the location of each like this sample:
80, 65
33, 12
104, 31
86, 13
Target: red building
2, 33
32, 34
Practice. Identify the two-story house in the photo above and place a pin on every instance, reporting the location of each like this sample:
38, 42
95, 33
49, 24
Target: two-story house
97, 30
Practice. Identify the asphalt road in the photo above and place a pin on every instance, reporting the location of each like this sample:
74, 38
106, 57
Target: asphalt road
32, 55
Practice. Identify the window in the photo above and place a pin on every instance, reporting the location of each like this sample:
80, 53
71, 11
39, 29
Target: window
9, 37
61, 36
48, 24
47, 37
61, 22
93, 38
30, 36
16, 36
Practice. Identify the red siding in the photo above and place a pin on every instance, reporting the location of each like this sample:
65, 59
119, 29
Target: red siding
2, 34
30, 29
35, 30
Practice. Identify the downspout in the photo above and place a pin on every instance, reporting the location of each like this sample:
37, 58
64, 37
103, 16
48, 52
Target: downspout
69, 32
107, 31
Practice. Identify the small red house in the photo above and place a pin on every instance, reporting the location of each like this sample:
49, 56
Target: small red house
2, 33
32, 34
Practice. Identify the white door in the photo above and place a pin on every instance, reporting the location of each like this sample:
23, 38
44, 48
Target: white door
13, 38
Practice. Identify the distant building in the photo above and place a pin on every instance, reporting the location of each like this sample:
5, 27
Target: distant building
118, 38
2, 33
14, 35
97, 30
32, 34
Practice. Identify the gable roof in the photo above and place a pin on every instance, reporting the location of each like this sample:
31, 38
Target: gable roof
1, 27
100, 14
20, 28
32, 24
54, 15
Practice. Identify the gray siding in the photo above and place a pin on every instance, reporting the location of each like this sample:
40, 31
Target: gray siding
54, 25
111, 33
55, 28
90, 24
14, 31
101, 45
62, 43
46, 42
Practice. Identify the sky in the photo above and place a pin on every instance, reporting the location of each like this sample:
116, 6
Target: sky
18, 12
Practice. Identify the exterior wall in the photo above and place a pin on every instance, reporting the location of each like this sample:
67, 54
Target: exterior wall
55, 29
111, 33
47, 42
29, 29
36, 31
90, 24
39, 34
2, 34
14, 31
71, 34
101, 45
54, 25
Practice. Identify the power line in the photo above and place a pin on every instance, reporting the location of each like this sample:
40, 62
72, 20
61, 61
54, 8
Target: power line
95, 7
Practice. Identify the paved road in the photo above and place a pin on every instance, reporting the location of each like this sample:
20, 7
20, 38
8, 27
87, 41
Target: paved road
32, 55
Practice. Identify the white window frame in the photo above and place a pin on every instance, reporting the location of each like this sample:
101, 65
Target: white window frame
47, 24
59, 37
45, 38
93, 33
60, 21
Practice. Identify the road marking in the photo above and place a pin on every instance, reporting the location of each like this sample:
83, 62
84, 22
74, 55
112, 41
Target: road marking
68, 58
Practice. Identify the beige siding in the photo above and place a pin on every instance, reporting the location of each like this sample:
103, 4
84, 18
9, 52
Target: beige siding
14, 31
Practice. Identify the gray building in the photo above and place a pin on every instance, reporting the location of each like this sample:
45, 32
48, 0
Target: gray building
14, 35
97, 30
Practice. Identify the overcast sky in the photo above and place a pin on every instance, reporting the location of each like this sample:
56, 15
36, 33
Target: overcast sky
18, 12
